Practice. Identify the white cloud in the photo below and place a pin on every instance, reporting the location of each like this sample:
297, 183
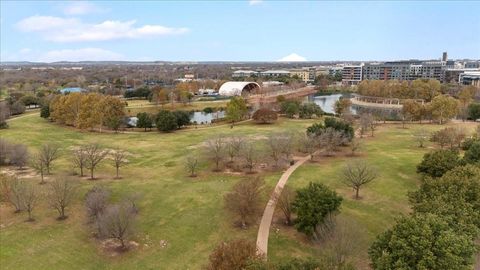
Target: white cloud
255, 2
85, 54
80, 8
45, 23
72, 30
292, 58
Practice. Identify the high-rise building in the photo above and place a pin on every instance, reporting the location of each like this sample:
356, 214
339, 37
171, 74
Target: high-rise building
444, 56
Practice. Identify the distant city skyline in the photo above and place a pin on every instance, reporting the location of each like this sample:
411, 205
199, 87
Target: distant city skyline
50, 31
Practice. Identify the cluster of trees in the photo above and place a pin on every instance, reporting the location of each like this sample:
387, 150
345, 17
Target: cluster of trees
328, 136
111, 220
141, 92
85, 157
23, 195
13, 154
438, 162
87, 111
238, 153
441, 231
164, 120
425, 89
441, 109
292, 108
315, 208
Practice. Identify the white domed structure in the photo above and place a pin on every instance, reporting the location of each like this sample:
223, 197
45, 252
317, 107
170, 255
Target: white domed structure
237, 88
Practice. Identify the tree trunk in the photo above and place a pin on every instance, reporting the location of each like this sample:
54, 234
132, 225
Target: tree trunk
117, 171
41, 176
91, 173
356, 193
81, 170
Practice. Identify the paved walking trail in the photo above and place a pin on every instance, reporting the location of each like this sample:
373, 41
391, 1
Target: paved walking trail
264, 229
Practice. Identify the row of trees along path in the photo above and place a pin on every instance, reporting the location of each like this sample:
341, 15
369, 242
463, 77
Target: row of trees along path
264, 228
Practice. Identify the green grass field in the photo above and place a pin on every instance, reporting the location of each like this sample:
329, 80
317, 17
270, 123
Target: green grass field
185, 212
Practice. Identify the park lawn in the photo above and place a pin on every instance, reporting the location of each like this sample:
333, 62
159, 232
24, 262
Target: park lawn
136, 106
395, 154
186, 213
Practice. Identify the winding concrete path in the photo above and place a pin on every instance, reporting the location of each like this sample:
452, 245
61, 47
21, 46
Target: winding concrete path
264, 228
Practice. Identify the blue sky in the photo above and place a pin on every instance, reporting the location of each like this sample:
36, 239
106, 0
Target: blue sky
237, 30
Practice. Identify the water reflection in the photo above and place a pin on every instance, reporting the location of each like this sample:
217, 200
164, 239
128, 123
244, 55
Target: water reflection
206, 118
327, 103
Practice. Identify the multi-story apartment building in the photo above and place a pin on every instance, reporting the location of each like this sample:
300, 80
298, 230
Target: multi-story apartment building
404, 70
352, 74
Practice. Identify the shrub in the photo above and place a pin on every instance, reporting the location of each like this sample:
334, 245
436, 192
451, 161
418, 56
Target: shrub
472, 155
45, 111
438, 162
264, 116
183, 118
306, 111
166, 121
235, 254
313, 205
474, 111
290, 108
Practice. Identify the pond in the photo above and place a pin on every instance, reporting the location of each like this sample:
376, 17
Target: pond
206, 118
327, 102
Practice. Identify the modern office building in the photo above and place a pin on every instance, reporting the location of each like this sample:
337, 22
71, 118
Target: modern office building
470, 78
352, 74
244, 73
307, 74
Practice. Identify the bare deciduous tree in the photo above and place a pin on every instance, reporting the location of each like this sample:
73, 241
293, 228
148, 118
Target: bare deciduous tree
191, 164
234, 146
421, 136
49, 152
30, 199
5, 150
284, 202
341, 242
274, 147
358, 174
16, 190
38, 164
95, 154
250, 156
117, 222
119, 159
61, 193
19, 155
216, 151
245, 199
80, 159
286, 144
308, 144
355, 145
366, 121
330, 140
96, 201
